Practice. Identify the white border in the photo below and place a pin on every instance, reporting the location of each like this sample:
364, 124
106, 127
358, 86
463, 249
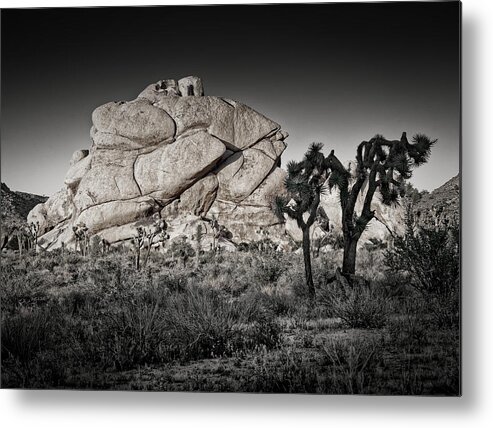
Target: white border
128, 409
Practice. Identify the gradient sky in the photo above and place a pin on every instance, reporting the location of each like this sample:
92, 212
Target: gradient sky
335, 73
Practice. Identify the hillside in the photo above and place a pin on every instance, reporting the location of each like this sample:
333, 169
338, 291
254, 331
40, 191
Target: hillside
16, 205
442, 205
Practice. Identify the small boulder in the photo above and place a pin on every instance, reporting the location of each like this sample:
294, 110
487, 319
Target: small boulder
137, 120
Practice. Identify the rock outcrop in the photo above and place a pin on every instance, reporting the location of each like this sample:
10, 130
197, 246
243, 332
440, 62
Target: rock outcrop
190, 158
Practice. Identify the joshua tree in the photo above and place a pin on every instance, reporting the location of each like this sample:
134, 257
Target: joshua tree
219, 234
81, 238
304, 185
32, 230
105, 246
138, 243
381, 165
215, 233
145, 237
199, 234
158, 228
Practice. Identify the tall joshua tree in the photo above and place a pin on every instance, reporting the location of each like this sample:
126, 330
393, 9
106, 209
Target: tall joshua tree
381, 165
304, 185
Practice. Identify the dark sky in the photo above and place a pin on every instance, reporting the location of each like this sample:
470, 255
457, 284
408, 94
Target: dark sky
336, 73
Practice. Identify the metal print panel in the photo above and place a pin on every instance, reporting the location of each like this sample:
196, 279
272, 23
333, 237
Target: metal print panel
260, 198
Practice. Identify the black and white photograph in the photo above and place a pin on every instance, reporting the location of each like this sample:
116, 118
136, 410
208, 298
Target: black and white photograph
259, 198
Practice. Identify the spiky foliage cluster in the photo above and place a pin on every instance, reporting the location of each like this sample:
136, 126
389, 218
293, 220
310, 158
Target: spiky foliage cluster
304, 185
385, 165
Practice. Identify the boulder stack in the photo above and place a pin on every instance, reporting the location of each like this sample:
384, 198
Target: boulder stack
175, 153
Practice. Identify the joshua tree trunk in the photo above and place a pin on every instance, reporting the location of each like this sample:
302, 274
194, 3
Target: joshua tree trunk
150, 239
308, 262
349, 260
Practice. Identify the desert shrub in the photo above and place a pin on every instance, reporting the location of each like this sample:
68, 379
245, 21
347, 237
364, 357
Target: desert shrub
205, 325
243, 246
21, 289
356, 306
336, 240
409, 330
132, 333
156, 325
171, 281
73, 258
46, 261
293, 277
182, 250
344, 367
24, 334
395, 288
262, 246
78, 301
275, 301
95, 246
231, 274
268, 267
432, 257
352, 363
287, 371
446, 309
28, 339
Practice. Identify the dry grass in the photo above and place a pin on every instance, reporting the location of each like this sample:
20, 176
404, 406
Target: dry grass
237, 322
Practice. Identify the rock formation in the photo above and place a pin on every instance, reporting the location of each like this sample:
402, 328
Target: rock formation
192, 159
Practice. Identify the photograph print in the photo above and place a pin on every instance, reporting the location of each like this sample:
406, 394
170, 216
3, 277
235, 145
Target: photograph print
232, 198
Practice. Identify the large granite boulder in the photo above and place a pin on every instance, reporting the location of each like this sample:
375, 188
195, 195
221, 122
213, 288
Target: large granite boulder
176, 154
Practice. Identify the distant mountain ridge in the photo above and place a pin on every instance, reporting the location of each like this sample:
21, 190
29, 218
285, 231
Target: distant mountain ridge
15, 206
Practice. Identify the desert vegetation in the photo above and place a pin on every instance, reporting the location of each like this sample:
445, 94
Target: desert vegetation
242, 321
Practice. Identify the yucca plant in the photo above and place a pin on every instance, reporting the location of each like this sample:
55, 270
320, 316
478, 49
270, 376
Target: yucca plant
381, 165
304, 184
